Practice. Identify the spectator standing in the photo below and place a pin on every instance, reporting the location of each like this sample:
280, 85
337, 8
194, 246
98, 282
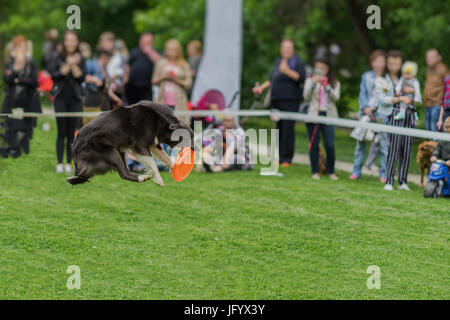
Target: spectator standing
98, 93
85, 50
368, 105
117, 65
194, 51
286, 84
68, 73
173, 76
50, 44
140, 71
21, 78
322, 90
445, 106
434, 83
399, 145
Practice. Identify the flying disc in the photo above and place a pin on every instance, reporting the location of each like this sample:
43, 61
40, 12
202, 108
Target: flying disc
184, 163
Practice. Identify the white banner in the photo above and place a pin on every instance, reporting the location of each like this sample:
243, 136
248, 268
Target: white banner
221, 63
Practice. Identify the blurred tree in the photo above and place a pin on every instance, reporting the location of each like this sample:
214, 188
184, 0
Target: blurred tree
1, 37
411, 26
26, 17
180, 19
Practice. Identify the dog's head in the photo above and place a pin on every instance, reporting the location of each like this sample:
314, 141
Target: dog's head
170, 130
426, 148
178, 135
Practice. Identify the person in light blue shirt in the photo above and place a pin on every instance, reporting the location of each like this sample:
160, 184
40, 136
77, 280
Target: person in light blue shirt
94, 69
368, 105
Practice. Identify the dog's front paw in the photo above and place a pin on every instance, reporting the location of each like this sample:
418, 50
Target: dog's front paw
159, 182
144, 177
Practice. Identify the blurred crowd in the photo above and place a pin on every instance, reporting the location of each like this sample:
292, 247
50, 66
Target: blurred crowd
81, 78
389, 94
108, 76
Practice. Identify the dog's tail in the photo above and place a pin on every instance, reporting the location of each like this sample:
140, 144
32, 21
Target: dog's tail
77, 180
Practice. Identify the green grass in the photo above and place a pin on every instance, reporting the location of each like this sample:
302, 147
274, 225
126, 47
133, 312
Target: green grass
231, 235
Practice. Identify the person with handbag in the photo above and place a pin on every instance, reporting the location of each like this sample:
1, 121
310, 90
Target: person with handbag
368, 105
286, 93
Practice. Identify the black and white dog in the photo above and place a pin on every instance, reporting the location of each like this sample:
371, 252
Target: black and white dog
100, 145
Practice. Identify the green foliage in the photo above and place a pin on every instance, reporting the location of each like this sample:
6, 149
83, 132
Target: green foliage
412, 26
27, 17
180, 19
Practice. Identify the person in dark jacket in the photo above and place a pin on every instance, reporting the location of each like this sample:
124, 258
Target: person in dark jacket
68, 73
138, 78
20, 76
286, 82
442, 149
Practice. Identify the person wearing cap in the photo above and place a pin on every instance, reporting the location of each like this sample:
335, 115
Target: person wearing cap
410, 86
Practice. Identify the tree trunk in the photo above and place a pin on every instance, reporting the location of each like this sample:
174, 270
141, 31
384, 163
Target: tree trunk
358, 19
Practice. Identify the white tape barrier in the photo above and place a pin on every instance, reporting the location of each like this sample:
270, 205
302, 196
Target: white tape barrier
275, 114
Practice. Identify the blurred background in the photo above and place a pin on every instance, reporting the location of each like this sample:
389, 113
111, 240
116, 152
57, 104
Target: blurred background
411, 26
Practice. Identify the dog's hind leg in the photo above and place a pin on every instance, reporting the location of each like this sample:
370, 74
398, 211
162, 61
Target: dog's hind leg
150, 163
161, 155
116, 160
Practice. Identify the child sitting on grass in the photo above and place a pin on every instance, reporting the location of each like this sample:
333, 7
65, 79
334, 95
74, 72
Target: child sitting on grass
409, 86
442, 149
236, 155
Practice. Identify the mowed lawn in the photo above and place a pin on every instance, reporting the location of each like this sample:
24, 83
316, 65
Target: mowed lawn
225, 236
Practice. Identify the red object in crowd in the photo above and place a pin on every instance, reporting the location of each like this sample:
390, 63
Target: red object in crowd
45, 81
190, 105
210, 97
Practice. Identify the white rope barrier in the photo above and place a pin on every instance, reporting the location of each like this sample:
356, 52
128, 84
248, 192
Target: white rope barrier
274, 114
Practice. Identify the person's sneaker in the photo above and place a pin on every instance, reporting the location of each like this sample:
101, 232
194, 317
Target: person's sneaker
286, 165
333, 176
403, 186
59, 168
354, 177
400, 115
68, 168
316, 176
388, 187
383, 180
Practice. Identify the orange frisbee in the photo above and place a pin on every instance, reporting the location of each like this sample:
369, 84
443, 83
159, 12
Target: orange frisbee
184, 163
